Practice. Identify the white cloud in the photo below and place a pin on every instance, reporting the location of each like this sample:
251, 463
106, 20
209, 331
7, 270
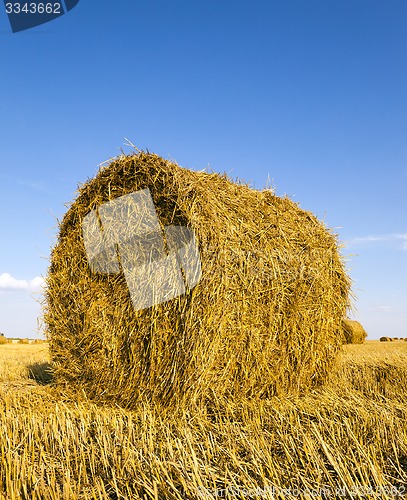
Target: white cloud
403, 239
400, 239
383, 308
8, 284
37, 185
366, 239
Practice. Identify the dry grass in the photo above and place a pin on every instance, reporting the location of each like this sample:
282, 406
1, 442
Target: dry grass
19, 360
350, 434
375, 351
266, 317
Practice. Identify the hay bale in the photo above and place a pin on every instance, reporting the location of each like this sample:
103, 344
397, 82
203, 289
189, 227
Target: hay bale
385, 339
263, 316
353, 332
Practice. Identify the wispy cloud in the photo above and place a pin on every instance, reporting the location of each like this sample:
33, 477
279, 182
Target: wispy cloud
30, 183
383, 308
37, 185
403, 239
10, 284
400, 239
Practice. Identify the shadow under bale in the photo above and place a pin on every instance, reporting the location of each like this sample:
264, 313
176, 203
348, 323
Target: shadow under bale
261, 316
41, 373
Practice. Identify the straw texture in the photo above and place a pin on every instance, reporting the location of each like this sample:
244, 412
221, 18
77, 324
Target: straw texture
353, 331
264, 319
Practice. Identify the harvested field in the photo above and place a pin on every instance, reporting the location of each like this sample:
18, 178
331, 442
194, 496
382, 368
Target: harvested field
345, 440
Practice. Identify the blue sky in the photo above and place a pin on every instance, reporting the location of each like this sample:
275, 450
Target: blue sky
310, 93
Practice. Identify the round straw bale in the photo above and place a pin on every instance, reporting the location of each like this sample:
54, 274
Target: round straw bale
385, 339
262, 308
353, 332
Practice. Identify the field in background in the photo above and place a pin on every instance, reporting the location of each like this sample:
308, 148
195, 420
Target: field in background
376, 351
22, 362
349, 439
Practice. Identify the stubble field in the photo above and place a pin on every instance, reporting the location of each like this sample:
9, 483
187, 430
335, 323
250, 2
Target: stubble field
346, 440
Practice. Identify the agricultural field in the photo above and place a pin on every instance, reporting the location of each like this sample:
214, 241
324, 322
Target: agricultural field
347, 439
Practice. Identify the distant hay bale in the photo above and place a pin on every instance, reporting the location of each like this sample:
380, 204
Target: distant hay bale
385, 339
264, 298
405, 340
353, 332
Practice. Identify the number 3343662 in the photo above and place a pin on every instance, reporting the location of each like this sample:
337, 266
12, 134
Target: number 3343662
33, 8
